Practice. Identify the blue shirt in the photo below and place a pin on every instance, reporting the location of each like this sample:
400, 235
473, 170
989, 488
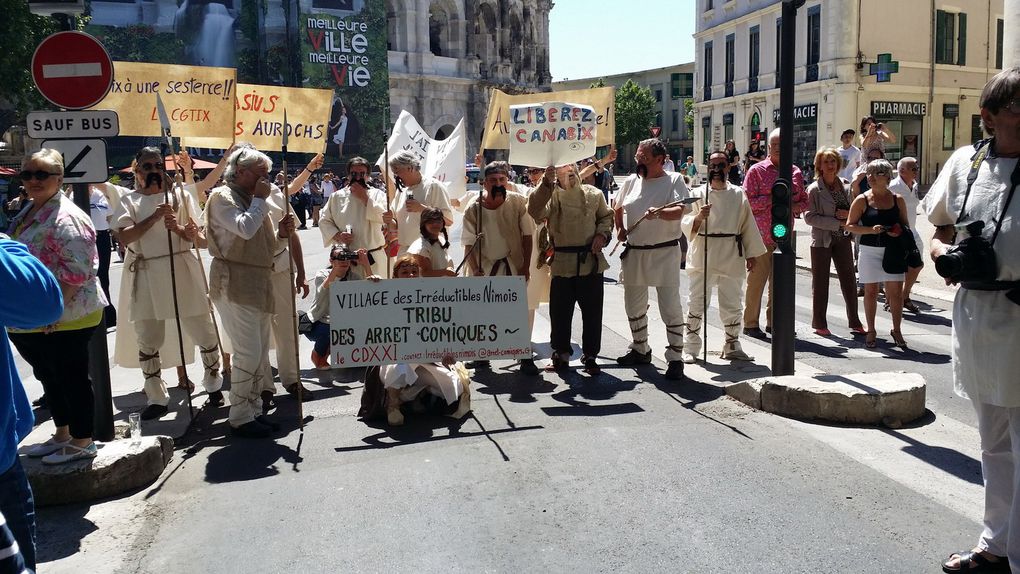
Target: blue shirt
29, 296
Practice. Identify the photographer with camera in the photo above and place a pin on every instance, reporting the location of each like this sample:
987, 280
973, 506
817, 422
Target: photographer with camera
344, 265
971, 247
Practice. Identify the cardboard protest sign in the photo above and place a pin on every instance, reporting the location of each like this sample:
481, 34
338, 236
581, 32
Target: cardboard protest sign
551, 133
498, 126
199, 100
441, 160
421, 320
259, 119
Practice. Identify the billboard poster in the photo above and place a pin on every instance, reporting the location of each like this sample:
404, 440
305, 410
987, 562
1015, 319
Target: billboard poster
344, 48
267, 42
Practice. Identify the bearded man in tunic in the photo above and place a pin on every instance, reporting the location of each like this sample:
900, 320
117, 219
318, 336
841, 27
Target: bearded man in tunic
242, 240
579, 224
651, 256
721, 221
353, 216
142, 219
497, 233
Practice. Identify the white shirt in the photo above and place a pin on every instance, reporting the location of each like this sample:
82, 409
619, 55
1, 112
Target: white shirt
669, 166
434, 252
985, 323
327, 188
658, 267
429, 192
99, 209
851, 161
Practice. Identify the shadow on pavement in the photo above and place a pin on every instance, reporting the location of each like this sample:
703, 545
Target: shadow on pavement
60, 529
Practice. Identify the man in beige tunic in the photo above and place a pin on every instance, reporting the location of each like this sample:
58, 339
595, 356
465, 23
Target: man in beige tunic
143, 218
725, 223
500, 243
651, 256
579, 224
242, 241
353, 216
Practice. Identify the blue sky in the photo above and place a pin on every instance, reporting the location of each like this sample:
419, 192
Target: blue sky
589, 38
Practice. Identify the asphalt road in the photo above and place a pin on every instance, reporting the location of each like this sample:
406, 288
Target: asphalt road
625, 472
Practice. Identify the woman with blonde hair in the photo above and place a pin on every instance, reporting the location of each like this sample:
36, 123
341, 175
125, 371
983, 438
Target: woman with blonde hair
831, 243
62, 236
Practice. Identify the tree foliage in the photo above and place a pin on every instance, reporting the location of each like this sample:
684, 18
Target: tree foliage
22, 32
689, 116
635, 113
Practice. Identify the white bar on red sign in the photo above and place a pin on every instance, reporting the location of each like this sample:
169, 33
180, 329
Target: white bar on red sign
72, 70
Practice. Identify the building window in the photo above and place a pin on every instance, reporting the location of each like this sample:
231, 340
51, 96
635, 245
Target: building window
708, 5
950, 38
727, 121
779, 46
675, 123
658, 119
976, 133
681, 86
998, 43
948, 133
708, 71
730, 63
706, 138
754, 43
658, 95
814, 44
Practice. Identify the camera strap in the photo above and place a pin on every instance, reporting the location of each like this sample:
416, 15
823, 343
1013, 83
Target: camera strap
977, 159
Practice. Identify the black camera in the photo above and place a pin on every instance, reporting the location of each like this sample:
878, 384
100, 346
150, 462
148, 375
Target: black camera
345, 255
973, 259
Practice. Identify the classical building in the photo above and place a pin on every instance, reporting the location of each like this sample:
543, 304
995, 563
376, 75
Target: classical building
916, 65
670, 86
444, 55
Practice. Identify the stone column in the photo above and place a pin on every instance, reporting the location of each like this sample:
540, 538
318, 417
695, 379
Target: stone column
1011, 33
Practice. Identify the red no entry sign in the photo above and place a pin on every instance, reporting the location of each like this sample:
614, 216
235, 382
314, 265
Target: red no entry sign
72, 70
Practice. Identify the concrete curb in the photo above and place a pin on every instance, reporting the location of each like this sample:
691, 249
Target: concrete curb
890, 399
119, 467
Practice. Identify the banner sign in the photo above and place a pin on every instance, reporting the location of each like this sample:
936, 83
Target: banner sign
344, 49
258, 119
888, 109
499, 124
199, 100
422, 320
551, 133
442, 160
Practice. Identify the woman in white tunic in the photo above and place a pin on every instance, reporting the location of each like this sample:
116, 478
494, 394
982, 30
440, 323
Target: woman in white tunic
428, 250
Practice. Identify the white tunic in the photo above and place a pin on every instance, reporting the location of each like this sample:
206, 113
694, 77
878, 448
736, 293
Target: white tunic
434, 252
985, 359
429, 192
541, 279
364, 217
145, 285
652, 267
730, 214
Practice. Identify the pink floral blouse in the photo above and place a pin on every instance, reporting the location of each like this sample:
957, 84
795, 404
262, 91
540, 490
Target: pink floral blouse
61, 235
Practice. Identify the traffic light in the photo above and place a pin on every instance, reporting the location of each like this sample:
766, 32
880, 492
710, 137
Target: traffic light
782, 211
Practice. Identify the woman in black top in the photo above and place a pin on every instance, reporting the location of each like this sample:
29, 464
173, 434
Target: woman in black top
733, 158
879, 215
754, 155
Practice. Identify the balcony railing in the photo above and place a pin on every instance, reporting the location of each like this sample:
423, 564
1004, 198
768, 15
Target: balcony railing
812, 73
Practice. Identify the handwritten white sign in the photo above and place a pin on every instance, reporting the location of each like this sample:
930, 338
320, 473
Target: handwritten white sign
442, 160
422, 320
551, 133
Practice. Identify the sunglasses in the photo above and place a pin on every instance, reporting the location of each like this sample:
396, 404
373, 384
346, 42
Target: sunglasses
717, 164
38, 175
536, 170
148, 166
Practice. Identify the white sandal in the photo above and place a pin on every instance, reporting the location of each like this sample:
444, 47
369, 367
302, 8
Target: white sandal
70, 453
42, 449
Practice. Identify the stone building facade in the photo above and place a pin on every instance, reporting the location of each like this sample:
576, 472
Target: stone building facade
444, 55
916, 65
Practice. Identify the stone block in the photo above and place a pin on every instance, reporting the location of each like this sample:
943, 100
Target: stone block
866, 398
120, 466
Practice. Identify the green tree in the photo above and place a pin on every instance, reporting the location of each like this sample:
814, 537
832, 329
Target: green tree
22, 32
635, 113
601, 83
689, 115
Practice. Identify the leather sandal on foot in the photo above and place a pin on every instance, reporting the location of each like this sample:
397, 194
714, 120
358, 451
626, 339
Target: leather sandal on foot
910, 306
976, 563
869, 339
186, 384
898, 338
215, 399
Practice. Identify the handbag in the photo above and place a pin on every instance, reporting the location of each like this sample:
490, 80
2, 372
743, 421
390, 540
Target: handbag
901, 253
304, 323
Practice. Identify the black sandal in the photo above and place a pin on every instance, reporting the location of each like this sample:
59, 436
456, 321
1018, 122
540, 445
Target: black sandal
976, 563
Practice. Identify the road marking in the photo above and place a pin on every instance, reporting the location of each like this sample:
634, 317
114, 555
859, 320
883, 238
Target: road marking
81, 70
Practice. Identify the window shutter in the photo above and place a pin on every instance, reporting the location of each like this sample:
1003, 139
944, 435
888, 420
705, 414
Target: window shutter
962, 58
940, 36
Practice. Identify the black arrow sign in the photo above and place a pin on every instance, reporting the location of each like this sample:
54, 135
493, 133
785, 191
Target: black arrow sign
69, 169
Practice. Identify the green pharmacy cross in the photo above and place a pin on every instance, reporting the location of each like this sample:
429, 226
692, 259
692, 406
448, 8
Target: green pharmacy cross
884, 68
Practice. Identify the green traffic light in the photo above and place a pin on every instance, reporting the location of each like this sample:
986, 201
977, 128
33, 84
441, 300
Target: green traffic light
779, 231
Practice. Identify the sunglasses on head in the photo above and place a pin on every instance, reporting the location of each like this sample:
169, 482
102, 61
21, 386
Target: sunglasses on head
38, 174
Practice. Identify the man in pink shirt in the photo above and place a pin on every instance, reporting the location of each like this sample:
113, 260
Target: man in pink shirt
758, 188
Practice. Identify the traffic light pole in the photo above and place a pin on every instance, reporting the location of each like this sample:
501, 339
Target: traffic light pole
784, 257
